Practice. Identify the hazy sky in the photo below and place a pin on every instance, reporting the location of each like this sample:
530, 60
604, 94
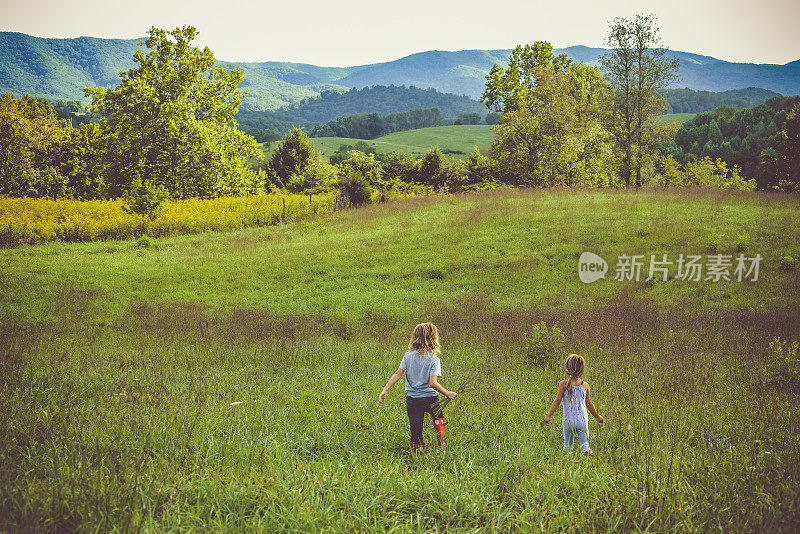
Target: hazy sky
352, 32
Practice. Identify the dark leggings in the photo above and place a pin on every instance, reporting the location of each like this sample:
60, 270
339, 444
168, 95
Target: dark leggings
416, 414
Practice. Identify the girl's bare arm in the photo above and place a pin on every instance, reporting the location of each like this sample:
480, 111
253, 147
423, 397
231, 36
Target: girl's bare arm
434, 383
590, 404
392, 381
556, 402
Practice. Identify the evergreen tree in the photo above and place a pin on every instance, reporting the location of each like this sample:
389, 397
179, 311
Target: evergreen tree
292, 156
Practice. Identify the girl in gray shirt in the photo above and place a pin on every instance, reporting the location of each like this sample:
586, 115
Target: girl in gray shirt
422, 368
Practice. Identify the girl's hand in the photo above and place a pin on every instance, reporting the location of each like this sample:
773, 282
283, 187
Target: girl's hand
451, 395
546, 421
381, 398
600, 419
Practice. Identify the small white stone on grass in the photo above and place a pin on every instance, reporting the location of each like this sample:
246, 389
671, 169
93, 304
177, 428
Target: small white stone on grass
237, 402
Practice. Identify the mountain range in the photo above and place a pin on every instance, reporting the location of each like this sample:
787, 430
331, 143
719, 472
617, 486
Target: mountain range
61, 68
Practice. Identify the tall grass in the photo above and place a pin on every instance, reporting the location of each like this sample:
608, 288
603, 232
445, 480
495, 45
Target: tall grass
30, 221
230, 381
144, 430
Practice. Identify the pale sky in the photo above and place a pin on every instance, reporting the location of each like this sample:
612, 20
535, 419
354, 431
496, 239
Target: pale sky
354, 32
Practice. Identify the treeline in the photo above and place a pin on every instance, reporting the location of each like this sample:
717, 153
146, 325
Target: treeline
383, 100
168, 130
751, 139
312, 113
371, 126
690, 101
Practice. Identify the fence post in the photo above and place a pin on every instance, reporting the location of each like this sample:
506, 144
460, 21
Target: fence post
284, 208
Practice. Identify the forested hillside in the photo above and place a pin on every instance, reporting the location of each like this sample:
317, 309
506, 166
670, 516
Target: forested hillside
689, 101
61, 68
750, 139
311, 113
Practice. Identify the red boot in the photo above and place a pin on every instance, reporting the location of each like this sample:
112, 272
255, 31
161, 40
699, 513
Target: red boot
440, 423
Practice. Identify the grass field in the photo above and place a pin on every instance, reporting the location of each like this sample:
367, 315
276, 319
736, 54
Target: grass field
456, 142
229, 380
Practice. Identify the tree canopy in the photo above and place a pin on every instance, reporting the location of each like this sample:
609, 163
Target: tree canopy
555, 117
170, 122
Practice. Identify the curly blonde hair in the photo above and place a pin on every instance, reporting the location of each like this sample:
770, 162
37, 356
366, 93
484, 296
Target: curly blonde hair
425, 339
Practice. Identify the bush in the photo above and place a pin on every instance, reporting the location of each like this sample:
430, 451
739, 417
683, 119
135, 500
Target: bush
544, 348
320, 177
292, 156
36, 183
144, 199
713, 242
784, 368
355, 189
788, 263
365, 165
743, 242
142, 244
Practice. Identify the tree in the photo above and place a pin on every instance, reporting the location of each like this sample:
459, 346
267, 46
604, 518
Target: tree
782, 164
638, 69
170, 122
33, 143
292, 156
554, 128
468, 118
365, 165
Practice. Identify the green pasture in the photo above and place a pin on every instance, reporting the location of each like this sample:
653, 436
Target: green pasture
456, 142
229, 380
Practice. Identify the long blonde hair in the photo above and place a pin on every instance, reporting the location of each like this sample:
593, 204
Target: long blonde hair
425, 339
575, 368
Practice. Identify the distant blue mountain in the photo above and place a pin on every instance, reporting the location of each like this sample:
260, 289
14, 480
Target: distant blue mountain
61, 68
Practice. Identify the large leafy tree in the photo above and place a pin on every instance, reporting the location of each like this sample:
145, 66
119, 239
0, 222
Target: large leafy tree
638, 69
554, 127
32, 147
170, 122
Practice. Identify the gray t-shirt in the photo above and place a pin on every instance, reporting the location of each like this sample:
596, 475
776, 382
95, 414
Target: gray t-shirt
419, 369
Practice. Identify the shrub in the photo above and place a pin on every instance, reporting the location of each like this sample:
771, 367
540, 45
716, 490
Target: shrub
743, 242
784, 367
296, 183
544, 348
320, 177
365, 165
355, 189
142, 244
713, 242
292, 156
144, 199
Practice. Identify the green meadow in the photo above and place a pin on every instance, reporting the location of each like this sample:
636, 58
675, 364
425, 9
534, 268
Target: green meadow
456, 142
229, 380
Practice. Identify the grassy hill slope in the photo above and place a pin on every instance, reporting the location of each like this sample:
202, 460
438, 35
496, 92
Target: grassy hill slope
229, 381
455, 141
